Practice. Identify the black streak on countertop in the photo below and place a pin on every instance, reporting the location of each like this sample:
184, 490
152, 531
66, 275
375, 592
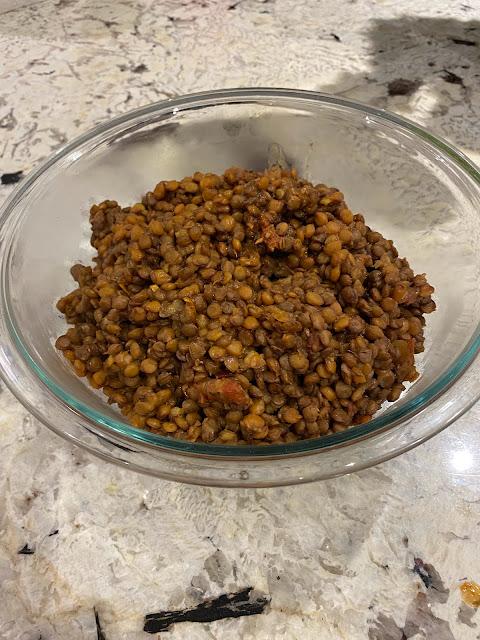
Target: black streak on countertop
11, 178
26, 551
466, 43
140, 68
230, 605
100, 634
452, 78
402, 87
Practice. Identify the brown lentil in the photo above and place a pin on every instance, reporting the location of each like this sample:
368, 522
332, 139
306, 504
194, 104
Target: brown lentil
243, 308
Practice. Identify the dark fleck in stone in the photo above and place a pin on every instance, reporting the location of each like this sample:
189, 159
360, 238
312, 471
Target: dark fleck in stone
100, 633
53, 533
335, 37
140, 68
26, 551
466, 43
232, 605
402, 87
385, 628
8, 121
422, 620
431, 579
217, 567
465, 615
421, 570
11, 178
452, 78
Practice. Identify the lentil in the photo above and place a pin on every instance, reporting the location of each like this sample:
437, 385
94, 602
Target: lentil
243, 308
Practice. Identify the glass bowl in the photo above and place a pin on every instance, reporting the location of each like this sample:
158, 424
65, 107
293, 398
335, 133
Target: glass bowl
411, 186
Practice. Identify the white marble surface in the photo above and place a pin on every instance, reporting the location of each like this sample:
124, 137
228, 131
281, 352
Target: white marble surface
10, 5
336, 558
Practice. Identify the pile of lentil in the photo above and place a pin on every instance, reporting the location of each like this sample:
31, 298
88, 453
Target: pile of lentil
243, 308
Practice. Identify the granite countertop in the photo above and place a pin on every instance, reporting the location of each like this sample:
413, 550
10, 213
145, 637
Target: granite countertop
88, 549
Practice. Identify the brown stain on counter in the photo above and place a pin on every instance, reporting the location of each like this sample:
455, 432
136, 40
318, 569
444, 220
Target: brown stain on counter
470, 593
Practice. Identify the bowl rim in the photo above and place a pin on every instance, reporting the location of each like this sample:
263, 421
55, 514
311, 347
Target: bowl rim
172, 107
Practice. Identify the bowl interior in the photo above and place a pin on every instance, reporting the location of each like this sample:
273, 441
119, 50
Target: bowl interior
402, 183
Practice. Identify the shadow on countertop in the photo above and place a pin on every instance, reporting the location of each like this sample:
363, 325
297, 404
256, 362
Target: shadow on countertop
409, 55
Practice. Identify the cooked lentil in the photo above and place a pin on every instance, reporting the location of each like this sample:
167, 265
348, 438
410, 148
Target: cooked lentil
243, 308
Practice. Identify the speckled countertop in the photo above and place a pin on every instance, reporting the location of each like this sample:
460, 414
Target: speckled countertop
87, 549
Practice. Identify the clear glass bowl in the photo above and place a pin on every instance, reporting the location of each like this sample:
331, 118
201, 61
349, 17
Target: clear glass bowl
411, 186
